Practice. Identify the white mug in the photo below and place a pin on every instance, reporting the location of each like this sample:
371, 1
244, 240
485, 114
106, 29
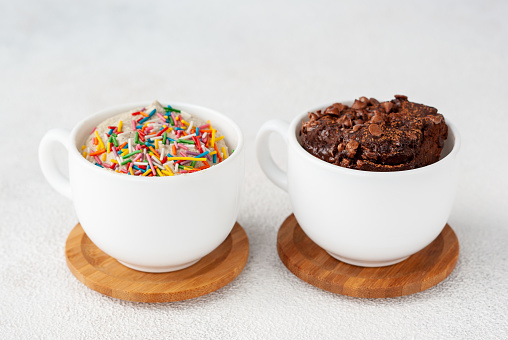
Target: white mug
364, 218
151, 224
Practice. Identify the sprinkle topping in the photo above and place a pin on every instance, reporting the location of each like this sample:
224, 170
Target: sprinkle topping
155, 141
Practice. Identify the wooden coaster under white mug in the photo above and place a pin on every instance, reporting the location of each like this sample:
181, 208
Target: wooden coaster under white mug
104, 274
314, 265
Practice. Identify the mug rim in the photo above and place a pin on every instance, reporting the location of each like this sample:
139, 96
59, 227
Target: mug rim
75, 152
293, 141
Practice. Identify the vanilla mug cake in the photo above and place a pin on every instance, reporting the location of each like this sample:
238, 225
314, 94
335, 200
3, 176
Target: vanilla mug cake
151, 190
155, 141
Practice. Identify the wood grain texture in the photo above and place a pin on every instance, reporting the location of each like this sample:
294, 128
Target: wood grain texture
105, 275
420, 271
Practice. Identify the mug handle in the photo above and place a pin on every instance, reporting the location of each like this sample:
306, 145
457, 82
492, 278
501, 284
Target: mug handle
48, 163
271, 170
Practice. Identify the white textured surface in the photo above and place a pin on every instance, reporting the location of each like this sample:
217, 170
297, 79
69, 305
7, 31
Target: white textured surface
60, 61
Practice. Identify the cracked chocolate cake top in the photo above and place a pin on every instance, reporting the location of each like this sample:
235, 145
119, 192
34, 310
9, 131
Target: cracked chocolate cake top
369, 135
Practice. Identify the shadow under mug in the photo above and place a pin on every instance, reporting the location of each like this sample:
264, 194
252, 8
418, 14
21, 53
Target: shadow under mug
364, 218
151, 224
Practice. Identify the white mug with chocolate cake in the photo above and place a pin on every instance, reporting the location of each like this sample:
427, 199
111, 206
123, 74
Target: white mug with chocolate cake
370, 182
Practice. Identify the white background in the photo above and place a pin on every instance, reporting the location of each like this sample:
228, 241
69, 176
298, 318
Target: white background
63, 60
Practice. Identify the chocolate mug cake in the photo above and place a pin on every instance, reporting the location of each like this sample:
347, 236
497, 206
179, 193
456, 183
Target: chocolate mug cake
369, 135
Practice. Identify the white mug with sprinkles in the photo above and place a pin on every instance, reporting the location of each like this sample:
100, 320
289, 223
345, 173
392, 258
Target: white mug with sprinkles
155, 186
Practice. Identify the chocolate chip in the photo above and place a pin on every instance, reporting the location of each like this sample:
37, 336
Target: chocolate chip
345, 121
351, 147
358, 121
340, 147
357, 127
435, 119
364, 100
339, 106
377, 119
373, 101
331, 110
387, 106
312, 116
359, 105
400, 97
375, 130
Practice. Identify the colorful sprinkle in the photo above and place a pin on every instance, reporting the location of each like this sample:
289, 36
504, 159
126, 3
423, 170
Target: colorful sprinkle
115, 142
131, 154
218, 153
97, 153
212, 143
186, 159
146, 172
99, 139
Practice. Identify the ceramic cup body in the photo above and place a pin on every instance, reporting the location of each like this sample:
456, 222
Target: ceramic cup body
152, 224
363, 218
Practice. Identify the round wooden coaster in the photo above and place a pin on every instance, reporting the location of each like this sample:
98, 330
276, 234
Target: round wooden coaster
312, 264
104, 274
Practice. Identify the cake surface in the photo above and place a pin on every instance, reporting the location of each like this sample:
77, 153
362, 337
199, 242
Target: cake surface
369, 135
